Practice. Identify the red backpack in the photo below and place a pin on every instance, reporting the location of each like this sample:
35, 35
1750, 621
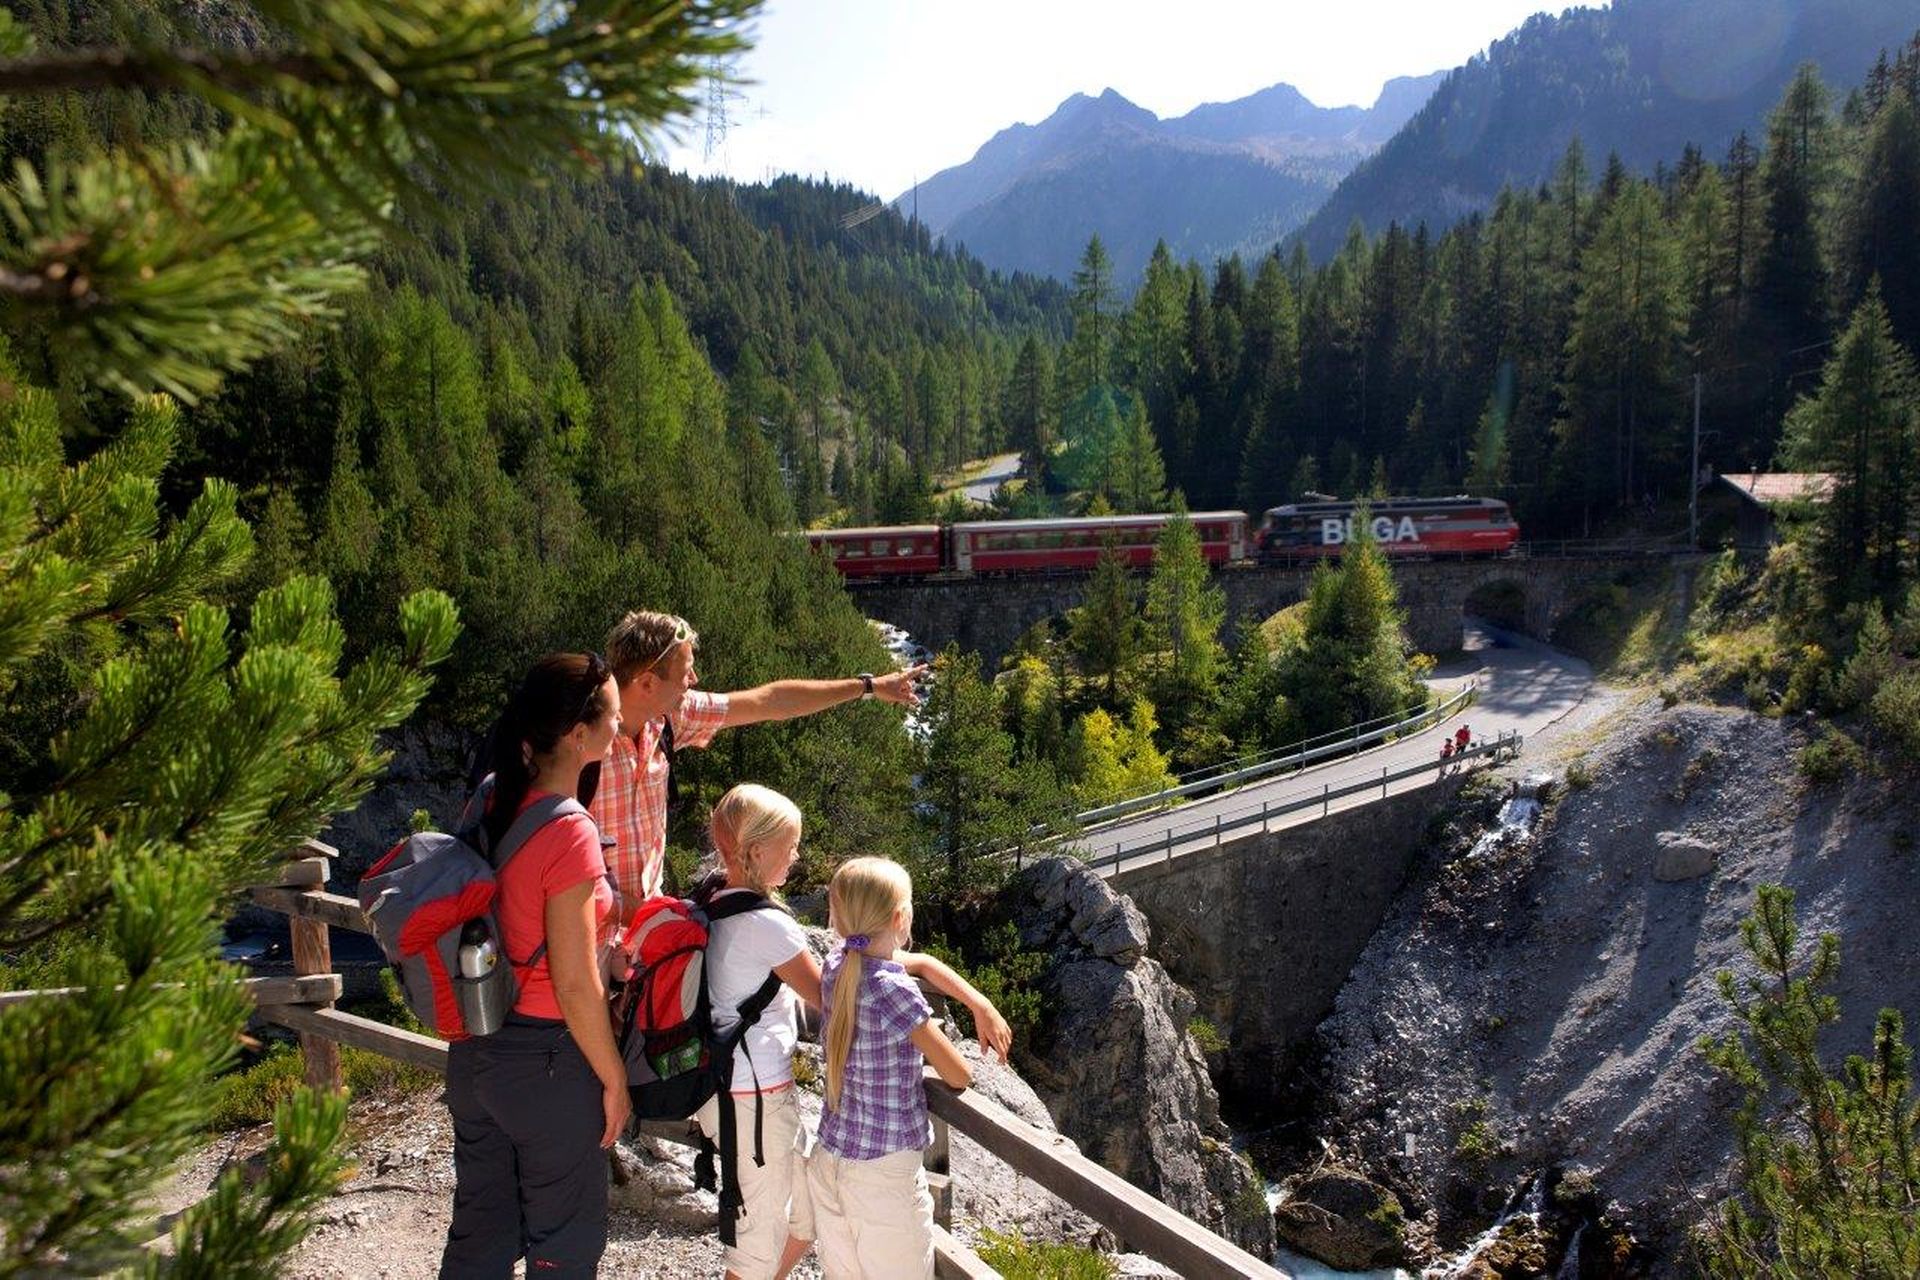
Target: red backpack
663, 1025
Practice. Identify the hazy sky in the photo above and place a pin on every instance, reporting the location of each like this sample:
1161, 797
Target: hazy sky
881, 92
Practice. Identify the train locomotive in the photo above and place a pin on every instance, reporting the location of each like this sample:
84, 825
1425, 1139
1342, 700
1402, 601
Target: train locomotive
1404, 528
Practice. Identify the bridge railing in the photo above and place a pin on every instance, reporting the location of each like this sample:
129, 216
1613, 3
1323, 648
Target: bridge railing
1293, 756
1142, 1222
1215, 830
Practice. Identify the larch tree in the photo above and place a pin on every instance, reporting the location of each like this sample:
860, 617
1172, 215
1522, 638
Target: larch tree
195, 748
1863, 426
1185, 608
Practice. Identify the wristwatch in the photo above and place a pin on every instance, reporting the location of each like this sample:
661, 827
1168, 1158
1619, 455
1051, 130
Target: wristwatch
866, 685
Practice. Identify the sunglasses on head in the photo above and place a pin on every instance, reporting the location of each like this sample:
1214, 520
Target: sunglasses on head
681, 634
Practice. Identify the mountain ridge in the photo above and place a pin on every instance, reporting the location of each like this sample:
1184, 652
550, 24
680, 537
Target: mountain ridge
1032, 194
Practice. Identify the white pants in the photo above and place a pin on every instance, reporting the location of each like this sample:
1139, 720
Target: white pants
776, 1192
873, 1219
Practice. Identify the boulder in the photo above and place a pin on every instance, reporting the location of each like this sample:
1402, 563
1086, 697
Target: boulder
1681, 857
1346, 1221
1113, 1061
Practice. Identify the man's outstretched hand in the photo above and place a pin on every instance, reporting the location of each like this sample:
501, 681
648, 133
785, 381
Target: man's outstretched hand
902, 688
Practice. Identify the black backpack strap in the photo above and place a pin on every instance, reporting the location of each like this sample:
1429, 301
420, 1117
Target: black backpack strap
732, 1202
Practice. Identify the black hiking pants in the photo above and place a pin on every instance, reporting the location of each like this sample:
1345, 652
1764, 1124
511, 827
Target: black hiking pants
529, 1176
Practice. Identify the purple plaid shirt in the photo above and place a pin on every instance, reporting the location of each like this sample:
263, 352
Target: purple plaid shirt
883, 1105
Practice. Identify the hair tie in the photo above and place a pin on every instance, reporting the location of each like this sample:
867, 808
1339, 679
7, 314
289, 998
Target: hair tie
858, 942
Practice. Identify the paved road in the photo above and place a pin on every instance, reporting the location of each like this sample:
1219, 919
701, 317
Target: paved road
1002, 466
1524, 687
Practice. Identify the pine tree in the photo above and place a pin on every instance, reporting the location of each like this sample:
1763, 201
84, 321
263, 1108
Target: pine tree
1139, 478
1104, 630
1088, 360
1790, 279
981, 802
1184, 612
1880, 220
1349, 660
199, 751
1829, 1181
1863, 426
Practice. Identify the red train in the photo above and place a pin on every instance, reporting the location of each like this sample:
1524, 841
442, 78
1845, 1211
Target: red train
1402, 526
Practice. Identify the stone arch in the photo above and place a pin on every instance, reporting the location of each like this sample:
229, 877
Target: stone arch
1504, 599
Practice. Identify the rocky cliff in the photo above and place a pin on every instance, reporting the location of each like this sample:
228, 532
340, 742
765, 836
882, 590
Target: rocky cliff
1534, 1008
1114, 1061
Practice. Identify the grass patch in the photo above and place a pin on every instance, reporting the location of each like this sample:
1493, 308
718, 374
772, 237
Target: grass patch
1019, 1259
248, 1097
1629, 629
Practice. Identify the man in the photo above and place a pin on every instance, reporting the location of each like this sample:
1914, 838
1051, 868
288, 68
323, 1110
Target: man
652, 656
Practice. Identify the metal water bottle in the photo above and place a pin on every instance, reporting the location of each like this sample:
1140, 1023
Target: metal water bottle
478, 955
484, 990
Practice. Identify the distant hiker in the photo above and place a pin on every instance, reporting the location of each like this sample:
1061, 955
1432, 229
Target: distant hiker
534, 1103
1446, 753
1461, 738
652, 656
759, 959
872, 1210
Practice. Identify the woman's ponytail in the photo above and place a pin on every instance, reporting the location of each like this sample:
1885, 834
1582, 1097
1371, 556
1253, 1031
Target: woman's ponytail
865, 898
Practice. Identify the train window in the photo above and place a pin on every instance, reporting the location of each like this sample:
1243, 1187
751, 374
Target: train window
877, 547
852, 549
906, 547
1499, 515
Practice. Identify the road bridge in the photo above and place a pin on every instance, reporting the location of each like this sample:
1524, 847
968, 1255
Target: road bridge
1531, 592
1262, 919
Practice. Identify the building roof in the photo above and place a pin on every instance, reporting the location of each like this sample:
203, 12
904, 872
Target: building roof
1767, 488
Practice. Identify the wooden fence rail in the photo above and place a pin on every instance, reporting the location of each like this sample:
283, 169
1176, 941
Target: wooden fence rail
1140, 1221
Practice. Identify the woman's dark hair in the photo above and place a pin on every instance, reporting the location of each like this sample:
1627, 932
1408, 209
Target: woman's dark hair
561, 691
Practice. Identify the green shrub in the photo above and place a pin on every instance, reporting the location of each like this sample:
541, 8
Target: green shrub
1832, 757
248, 1096
1019, 1259
1004, 972
1207, 1036
1895, 712
1579, 775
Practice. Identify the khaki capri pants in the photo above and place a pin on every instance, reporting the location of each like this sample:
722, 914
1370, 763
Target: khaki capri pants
873, 1219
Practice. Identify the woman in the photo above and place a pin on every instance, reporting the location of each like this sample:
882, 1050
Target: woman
536, 1102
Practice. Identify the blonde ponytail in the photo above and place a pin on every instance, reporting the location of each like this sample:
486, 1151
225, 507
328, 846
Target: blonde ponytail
864, 899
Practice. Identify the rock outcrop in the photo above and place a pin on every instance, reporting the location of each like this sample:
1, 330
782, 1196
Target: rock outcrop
1114, 1062
1343, 1219
1540, 1006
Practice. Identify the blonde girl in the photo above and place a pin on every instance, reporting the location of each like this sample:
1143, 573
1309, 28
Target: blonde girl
756, 834
874, 1215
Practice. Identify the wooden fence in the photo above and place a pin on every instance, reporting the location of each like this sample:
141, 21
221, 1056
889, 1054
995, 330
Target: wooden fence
1140, 1221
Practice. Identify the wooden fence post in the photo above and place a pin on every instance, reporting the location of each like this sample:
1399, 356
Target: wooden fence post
313, 955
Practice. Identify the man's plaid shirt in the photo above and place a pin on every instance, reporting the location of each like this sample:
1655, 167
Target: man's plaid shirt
631, 802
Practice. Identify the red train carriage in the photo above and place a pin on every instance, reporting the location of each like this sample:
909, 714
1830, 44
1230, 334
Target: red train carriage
892, 552
1402, 526
1012, 546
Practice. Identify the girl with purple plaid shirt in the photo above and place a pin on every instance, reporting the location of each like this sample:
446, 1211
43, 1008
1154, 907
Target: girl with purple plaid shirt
873, 1215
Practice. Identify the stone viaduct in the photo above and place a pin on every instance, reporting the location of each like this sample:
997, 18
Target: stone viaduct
989, 614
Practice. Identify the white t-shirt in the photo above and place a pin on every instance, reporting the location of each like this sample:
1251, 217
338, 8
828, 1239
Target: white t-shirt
741, 951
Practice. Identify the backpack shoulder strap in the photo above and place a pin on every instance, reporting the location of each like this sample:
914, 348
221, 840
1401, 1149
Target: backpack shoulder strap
531, 820
722, 906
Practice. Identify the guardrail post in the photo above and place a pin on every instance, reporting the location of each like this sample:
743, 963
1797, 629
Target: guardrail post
1326, 797
1216, 833
313, 955
1169, 846
1383, 782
